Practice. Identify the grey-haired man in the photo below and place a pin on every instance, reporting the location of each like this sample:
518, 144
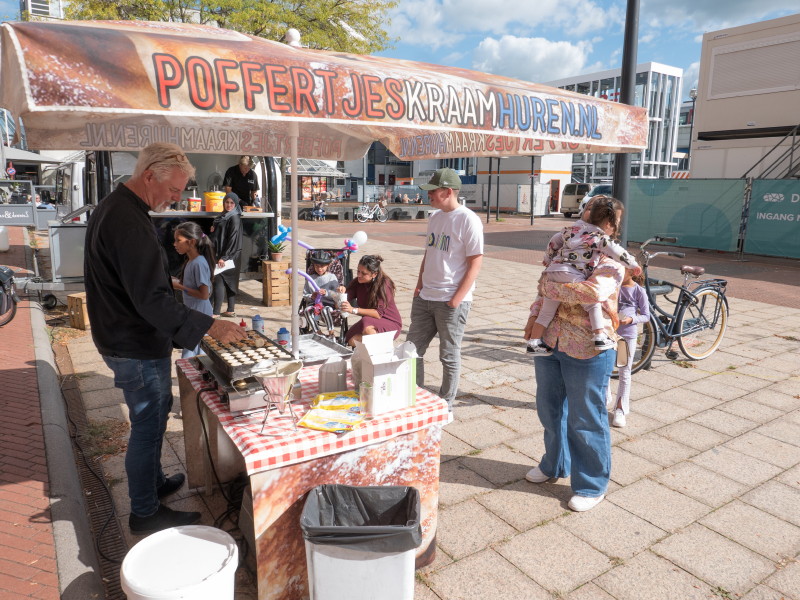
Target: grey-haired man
443, 294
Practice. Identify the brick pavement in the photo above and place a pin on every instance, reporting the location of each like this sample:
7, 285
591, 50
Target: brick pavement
27, 547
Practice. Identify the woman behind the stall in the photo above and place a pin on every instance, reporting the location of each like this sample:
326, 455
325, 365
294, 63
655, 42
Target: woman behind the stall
227, 234
373, 293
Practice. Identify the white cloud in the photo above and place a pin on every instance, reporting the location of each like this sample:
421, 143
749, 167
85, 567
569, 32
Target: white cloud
711, 15
691, 76
530, 59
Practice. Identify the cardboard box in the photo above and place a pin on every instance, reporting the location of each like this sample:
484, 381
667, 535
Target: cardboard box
391, 371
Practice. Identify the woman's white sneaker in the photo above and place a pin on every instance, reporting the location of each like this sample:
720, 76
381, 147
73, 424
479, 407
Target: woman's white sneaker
582, 503
619, 418
535, 475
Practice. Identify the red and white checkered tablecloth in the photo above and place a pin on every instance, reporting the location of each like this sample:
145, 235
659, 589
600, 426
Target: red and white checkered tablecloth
281, 445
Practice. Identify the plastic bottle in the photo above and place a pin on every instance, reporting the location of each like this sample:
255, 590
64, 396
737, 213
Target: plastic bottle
283, 336
242, 324
257, 324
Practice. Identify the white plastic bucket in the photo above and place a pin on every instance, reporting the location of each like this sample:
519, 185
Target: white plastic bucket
192, 562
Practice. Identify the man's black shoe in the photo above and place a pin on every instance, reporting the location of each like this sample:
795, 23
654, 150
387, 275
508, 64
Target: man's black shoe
171, 485
164, 518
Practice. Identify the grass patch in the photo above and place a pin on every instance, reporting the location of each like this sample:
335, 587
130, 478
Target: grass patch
474, 452
104, 438
722, 593
685, 364
732, 367
790, 338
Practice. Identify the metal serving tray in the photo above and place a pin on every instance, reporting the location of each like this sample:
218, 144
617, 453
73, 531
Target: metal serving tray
316, 349
214, 349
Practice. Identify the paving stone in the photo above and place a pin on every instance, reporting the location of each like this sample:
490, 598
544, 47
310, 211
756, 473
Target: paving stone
661, 408
647, 500
485, 575
523, 504
530, 445
701, 484
762, 592
658, 449
715, 389
733, 379
655, 379
468, 527
627, 467
723, 422
421, 591
440, 560
781, 429
589, 592
755, 529
737, 466
787, 580
777, 499
547, 554
775, 363
489, 378
693, 435
500, 464
638, 424
481, 433
694, 401
650, 577
690, 372
102, 398
469, 407
767, 449
630, 535
791, 477
458, 483
452, 447
715, 559
747, 408
775, 399
520, 419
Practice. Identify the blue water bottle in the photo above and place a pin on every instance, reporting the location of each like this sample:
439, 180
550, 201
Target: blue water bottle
283, 336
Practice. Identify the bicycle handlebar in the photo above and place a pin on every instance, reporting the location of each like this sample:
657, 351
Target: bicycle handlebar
676, 254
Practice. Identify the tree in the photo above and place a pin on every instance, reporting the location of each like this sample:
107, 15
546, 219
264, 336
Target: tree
343, 25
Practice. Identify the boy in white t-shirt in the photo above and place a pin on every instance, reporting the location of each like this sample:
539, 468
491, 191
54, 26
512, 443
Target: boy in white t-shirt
443, 295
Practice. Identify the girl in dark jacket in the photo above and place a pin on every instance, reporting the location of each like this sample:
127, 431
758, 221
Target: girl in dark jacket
227, 234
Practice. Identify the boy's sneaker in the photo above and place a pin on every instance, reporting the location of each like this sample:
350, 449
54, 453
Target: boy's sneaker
603, 342
619, 418
538, 348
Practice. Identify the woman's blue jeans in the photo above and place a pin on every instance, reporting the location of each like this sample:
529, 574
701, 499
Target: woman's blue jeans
147, 388
571, 403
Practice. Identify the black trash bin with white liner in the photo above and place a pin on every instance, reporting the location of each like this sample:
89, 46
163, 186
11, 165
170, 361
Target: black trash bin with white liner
361, 541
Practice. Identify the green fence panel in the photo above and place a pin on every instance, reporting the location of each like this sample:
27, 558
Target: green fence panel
773, 224
701, 213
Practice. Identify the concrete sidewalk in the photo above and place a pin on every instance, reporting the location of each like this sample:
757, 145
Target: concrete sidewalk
705, 480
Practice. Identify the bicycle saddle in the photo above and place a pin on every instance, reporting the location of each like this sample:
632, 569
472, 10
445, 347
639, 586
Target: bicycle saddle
696, 271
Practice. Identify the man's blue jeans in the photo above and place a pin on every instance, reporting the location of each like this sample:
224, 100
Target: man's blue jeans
429, 318
147, 388
571, 403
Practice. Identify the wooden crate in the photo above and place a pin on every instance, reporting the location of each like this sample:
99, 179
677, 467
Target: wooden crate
78, 316
277, 284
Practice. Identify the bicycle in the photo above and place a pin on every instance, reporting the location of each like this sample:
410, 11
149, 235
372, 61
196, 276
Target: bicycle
376, 211
8, 296
698, 319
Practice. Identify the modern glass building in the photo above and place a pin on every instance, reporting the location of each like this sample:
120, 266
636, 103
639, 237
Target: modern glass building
658, 88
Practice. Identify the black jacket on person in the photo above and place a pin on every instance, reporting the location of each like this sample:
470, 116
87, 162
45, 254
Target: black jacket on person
129, 296
227, 238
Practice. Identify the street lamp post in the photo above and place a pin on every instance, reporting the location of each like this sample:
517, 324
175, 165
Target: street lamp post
693, 96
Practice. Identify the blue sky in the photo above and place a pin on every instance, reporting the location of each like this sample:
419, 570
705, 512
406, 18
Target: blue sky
544, 40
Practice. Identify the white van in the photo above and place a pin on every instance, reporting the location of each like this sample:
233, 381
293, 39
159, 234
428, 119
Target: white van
572, 196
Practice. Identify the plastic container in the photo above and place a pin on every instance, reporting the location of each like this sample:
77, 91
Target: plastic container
257, 324
194, 204
283, 336
192, 562
214, 201
361, 541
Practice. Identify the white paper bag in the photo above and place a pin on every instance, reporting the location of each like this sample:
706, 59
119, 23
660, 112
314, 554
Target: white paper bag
333, 375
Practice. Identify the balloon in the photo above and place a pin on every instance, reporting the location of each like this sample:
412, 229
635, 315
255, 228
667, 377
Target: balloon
308, 278
283, 233
360, 238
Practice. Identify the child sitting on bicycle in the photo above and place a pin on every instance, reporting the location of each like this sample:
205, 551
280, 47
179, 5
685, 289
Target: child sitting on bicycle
572, 255
326, 282
633, 308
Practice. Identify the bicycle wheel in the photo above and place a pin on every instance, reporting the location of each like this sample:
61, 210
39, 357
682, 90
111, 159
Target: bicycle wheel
382, 215
8, 305
362, 216
645, 348
702, 323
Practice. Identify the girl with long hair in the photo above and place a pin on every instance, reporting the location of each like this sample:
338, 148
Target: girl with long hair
371, 296
196, 276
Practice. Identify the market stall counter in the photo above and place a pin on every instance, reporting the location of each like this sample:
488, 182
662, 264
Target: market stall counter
284, 463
